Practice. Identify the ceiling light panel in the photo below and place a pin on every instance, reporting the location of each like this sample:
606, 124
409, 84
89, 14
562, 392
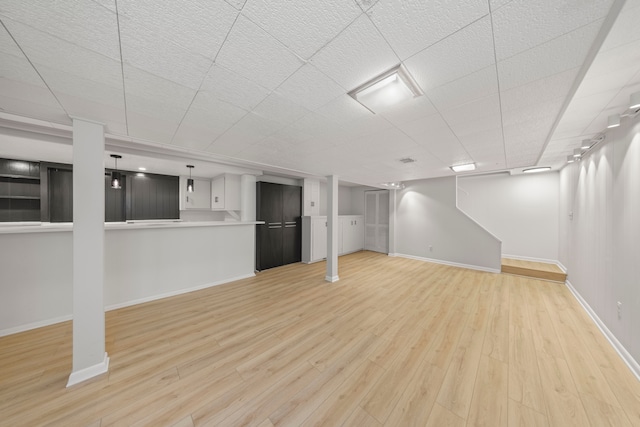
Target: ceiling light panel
558, 55
310, 88
356, 55
257, 56
516, 31
467, 167
388, 90
197, 26
436, 65
290, 23
83, 23
423, 23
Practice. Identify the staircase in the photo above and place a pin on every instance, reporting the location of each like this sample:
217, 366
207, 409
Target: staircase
537, 270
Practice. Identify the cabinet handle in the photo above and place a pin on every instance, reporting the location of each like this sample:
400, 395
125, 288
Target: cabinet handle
216, 199
275, 226
290, 226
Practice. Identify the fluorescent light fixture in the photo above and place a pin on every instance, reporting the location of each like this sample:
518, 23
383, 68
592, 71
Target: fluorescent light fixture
613, 121
536, 170
464, 168
585, 144
577, 153
635, 100
142, 169
139, 174
389, 88
570, 159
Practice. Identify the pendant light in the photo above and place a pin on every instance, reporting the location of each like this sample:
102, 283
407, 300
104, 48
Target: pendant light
190, 180
116, 177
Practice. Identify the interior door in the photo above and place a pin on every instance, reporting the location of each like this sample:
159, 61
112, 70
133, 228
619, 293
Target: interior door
292, 224
376, 221
269, 235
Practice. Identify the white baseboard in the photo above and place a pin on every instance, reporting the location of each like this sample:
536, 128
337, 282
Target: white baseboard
624, 354
532, 259
90, 372
35, 325
452, 264
174, 293
49, 322
331, 278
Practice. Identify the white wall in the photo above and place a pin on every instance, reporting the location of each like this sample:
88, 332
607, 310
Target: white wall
426, 215
350, 199
600, 244
520, 210
140, 265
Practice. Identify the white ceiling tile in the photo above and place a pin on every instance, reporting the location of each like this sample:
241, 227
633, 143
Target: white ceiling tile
366, 4
254, 54
151, 128
497, 4
90, 109
305, 29
310, 88
358, 54
539, 91
626, 28
367, 125
250, 129
460, 54
343, 109
555, 56
197, 26
153, 96
197, 136
233, 88
82, 22
411, 26
409, 111
143, 49
238, 4
434, 134
30, 106
277, 108
522, 24
475, 116
465, 89
315, 124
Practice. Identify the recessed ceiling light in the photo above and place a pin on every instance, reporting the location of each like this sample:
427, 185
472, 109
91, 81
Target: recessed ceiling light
464, 168
586, 144
142, 169
536, 170
389, 88
570, 159
577, 152
613, 121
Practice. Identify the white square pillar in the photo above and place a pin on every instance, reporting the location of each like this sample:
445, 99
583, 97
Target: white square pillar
89, 355
332, 229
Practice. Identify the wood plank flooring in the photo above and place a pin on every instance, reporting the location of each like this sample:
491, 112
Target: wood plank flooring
537, 270
395, 342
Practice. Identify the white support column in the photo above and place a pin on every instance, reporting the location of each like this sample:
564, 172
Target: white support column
332, 229
247, 198
89, 356
392, 222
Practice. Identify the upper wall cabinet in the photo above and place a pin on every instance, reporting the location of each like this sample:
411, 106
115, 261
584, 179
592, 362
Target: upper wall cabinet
19, 191
199, 199
225, 193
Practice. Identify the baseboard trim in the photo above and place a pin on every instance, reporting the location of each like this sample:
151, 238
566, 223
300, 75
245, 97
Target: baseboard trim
49, 322
90, 372
532, 259
331, 278
35, 325
619, 348
174, 293
452, 264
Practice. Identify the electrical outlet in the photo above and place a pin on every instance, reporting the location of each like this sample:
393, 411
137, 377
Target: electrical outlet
619, 310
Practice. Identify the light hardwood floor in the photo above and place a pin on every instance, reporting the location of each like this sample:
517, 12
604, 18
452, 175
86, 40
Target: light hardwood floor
395, 342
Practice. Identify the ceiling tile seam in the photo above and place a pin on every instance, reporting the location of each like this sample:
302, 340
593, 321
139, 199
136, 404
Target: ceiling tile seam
383, 37
419, 145
291, 75
34, 68
204, 78
607, 24
446, 37
124, 88
583, 131
495, 64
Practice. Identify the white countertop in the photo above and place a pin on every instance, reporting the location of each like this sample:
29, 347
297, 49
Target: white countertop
48, 227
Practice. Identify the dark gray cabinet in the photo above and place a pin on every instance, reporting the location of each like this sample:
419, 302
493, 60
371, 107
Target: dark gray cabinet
19, 191
279, 239
153, 197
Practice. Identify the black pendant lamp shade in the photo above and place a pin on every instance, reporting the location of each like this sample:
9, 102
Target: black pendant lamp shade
189, 180
116, 177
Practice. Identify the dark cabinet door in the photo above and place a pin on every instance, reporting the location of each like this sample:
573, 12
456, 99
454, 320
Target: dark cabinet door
60, 195
278, 240
292, 231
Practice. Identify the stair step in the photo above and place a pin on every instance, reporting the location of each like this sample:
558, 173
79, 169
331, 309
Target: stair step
537, 270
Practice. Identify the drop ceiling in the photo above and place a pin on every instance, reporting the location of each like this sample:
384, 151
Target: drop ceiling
262, 84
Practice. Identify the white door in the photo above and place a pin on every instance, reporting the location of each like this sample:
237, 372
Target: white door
376, 221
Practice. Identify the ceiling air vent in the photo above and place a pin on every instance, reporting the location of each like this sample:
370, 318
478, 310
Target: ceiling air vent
406, 160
